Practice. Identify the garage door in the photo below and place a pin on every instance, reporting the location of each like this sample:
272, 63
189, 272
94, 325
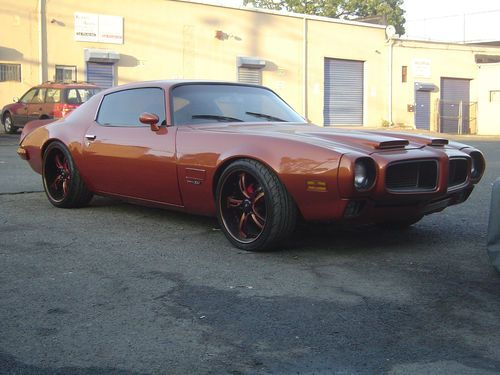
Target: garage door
100, 74
343, 97
454, 105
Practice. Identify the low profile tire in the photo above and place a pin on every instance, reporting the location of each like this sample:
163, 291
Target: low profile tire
254, 210
399, 224
62, 182
8, 124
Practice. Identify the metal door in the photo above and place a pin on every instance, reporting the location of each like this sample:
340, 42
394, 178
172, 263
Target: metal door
343, 94
422, 109
100, 74
454, 105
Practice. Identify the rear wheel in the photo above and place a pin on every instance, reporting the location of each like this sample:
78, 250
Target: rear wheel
254, 209
62, 182
8, 124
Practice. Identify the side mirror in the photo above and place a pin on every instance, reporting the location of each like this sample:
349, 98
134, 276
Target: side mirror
15, 99
150, 119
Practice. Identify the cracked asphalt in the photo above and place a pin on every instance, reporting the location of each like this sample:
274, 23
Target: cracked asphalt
121, 289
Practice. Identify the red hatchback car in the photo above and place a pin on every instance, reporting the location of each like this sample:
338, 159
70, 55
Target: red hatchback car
46, 101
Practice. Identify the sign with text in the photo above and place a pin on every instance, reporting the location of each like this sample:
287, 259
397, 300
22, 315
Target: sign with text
422, 68
98, 28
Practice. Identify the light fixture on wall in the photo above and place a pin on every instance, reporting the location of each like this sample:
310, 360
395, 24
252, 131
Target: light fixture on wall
57, 22
221, 35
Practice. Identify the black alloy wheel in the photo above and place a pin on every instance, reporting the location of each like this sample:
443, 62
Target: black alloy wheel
254, 209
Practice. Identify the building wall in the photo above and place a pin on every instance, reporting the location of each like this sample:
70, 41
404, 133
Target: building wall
19, 45
445, 61
176, 39
488, 111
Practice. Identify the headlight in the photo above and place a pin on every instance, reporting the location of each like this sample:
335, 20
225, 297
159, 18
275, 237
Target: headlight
477, 165
364, 174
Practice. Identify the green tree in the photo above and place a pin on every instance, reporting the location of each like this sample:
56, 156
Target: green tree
389, 10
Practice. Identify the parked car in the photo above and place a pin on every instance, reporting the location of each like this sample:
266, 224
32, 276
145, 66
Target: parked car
240, 153
51, 100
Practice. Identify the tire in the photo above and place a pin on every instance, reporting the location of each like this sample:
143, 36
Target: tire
254, 210
399, 224
8, 124
61, 181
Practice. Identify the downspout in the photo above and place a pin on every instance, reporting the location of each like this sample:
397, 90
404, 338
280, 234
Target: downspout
304, 73
391, 54
42, 41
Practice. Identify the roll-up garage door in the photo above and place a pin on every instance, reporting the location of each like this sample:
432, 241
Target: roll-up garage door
454, 105
249, 75
100, 74
343, 100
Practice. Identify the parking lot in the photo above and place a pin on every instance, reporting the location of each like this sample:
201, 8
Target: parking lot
121, 289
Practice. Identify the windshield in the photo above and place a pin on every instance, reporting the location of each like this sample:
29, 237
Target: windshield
204, 103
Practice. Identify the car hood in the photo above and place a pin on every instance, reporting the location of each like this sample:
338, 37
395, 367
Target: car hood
342, 140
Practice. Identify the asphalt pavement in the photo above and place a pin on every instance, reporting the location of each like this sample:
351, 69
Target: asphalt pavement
116, 288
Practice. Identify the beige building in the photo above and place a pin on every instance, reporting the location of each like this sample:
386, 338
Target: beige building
334, 72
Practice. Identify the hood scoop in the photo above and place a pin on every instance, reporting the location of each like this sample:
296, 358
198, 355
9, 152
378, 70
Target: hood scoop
397, 143
438, 142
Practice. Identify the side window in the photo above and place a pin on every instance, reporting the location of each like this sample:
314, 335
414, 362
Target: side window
28, 97
53, 96
39, 96
123, 108
72, 97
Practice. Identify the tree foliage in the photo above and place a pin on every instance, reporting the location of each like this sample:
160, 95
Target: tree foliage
389, 10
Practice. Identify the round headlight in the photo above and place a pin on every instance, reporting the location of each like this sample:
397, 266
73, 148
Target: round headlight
364, 173
477, 165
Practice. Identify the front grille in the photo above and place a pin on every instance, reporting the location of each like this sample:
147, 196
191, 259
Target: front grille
420, 175
457, 173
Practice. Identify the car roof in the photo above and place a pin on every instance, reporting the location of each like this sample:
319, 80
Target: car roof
167, 83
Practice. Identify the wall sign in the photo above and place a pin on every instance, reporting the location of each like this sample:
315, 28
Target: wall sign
99, 28
421, 68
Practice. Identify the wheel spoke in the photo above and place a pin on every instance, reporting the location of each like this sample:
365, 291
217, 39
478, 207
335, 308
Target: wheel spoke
233, 202
257, 197
58, 161
243, 224
243, 186
258, 220
66, 166
65, 187
56, 183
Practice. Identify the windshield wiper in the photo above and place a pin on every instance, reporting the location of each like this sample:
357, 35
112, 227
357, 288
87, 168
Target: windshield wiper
263, 115
217, 117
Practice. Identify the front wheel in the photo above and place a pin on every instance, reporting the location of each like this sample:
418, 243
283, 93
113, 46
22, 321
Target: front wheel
61, 181
8, 124
254, 209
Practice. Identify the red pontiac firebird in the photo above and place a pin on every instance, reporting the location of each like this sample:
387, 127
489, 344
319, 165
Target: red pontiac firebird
240, 153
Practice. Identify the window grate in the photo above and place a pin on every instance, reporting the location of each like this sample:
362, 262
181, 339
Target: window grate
10, 72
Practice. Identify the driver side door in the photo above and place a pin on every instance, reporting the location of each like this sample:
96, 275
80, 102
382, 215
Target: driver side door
126, 158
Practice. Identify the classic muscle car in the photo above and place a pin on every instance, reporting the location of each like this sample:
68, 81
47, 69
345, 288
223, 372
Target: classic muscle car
240, 153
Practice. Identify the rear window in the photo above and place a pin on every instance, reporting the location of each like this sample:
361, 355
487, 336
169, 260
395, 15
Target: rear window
79, 96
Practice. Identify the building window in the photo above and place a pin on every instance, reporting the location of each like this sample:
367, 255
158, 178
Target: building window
10, 72
250, 75
65, 73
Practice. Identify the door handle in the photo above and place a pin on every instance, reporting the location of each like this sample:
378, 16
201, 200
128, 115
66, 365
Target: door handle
90, 137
